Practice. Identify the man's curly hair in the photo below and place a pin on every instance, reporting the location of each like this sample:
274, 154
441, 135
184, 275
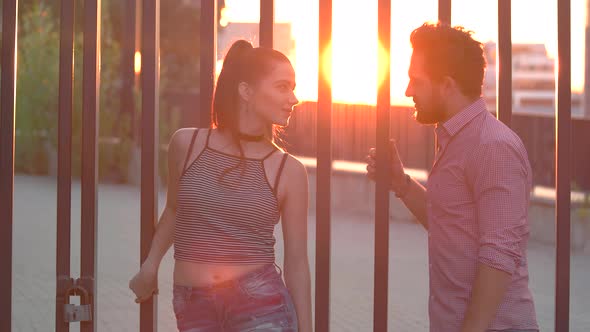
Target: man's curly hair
451, 51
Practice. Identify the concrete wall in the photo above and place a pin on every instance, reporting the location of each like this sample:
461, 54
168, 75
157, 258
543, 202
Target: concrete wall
543, 227
354, 194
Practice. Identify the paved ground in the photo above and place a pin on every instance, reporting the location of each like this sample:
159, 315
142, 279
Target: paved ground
352, 266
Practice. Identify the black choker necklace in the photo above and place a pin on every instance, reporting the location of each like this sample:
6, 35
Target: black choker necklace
250, 138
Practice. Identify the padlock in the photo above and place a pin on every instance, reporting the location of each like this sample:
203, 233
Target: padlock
77, 313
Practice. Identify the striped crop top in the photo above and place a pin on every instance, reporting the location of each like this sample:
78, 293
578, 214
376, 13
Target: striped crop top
226, 214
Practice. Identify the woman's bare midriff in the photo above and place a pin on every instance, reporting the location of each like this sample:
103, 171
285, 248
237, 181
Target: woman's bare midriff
201, 274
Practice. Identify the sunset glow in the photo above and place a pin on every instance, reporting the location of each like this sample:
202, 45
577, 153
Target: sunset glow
355, 49
137, 62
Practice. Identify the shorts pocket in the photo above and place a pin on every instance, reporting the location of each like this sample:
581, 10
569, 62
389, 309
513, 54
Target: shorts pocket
264, 288
179, 304
265, 317
277, 321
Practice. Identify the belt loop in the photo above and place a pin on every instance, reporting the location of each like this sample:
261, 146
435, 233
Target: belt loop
188, 291
278, 267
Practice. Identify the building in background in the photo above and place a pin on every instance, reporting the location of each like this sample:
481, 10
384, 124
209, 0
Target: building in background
533, 81
283, 40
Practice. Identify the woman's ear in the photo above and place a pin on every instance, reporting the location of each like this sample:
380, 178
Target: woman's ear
244, 91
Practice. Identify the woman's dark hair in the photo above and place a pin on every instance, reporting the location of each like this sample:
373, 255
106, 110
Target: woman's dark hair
242, 63
451, 51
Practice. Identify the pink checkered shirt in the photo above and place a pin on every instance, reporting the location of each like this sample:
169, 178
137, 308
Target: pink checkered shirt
478, 195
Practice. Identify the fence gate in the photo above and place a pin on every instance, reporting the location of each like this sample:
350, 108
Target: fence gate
85, 284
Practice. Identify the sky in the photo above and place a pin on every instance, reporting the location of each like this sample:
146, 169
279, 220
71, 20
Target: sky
355, 45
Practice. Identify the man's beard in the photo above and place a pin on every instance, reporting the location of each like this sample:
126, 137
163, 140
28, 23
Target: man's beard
431, 112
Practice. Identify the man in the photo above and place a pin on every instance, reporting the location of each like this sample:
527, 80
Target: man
475, 203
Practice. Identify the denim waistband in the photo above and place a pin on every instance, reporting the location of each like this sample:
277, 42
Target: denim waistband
268, 269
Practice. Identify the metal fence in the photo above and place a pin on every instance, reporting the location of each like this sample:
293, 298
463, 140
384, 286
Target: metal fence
353, 128
150, 49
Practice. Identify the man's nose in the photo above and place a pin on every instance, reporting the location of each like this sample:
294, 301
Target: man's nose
294, 99
409, 91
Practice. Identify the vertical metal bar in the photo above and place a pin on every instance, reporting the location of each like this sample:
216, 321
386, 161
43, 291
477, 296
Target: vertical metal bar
562, 167
149, 144
208, 59
444, 16
444, 11
504, 63
324, 169
137, 78
381, 286
587, 62
90, 107
128, 61
267, 19
9, 24
64, 163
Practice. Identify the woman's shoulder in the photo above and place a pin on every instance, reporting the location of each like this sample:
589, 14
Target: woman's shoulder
295, 178
294, 167
181, 139
184, 135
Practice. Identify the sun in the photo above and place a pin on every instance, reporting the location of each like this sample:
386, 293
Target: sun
356, 53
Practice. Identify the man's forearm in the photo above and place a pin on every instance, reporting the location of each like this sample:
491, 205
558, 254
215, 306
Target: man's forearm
415, 200
488, 292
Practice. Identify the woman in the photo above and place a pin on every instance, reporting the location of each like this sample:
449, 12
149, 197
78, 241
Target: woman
228, 187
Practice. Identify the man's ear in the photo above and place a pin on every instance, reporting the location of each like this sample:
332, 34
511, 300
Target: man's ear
449, 86
244, 91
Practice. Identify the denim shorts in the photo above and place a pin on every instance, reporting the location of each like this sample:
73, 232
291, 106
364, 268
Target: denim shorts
257, 301
512, 330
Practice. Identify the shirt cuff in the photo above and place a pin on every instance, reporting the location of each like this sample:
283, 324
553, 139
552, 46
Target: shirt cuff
498, 259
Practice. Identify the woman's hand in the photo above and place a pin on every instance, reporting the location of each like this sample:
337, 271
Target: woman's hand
145, 283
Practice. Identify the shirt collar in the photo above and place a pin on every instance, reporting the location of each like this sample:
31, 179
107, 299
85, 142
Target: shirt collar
451, 127
461, 119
